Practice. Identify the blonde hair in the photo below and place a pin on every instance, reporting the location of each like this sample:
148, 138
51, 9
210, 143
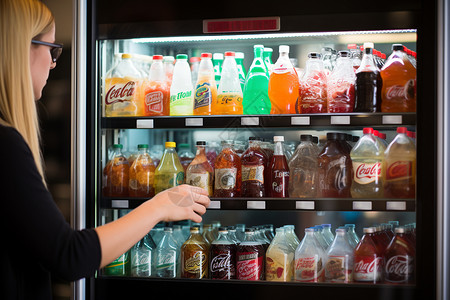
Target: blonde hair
20, 22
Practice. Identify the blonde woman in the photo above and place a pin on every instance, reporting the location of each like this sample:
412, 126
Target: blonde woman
36, 239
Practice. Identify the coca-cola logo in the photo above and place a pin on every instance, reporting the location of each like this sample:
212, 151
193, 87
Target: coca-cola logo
399, 169
305, 263
221, 262
195, 263
369, 171
250, 269
120, 93
401, 91
367, 267
399, 267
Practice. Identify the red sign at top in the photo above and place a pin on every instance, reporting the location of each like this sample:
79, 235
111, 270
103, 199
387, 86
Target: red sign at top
241, 25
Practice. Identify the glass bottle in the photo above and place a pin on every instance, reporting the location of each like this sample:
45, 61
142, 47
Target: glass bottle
309, 259
142, 174
279, 258
199, 172
341, 85
279, 171
194, 256
169, 172
313, 87
227, 172
167, 256
143, 257
116, 174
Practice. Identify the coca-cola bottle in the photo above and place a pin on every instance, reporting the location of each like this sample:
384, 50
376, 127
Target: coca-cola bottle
368, 259
309, 259
339, 266
399, 259
223, 257
250, 258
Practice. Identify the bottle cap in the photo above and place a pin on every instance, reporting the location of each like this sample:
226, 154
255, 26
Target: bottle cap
206, 55
309, 229
332, 136
229, 53
266, 49
344, 53
397, 47
142, 146
171, 144
239, 55
411, 134
314, 55
382, 135
368, 45
118, 146
194, 59
283, 48
306, 137
399, 230
126, 55
402, 130
168, 58
194, 229
200, 143
278, 138
368, 230
157, 57
182, 56
223, 228
367, 130
218, 56
326, 225
183, 145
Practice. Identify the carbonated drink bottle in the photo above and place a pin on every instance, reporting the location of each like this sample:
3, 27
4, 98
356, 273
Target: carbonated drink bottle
195, 64
368, 83
205, 88
143, 257
229, 99
118, 267
398, 93
327, 234
256, 98
267, 55
185, 155
157, 90
303, 169
368, 259
279, 171
169, 172
181, 90
339, 266
168, 69
368, 163
355, 56
217, 63
279, 258
313, 87
199, 172
309, 259
116, 174
227, 173
194, 256
341, 85
250, 258
400, 158
399, 259
352, 236
320, 238
283, 84
223, 256
254, 168
167, 256
241, 69
142, 174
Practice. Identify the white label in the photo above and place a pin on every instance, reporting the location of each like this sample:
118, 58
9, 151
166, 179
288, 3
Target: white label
392, 119
144, 123
300, 120
200, 180
225, 178
214, 204
119, 203
194, 122
396, 205
365, 173
250, 121
340, 120
362, 205
304, 205
256, 205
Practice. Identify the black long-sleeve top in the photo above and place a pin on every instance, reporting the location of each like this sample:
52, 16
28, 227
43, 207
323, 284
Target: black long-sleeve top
36, 239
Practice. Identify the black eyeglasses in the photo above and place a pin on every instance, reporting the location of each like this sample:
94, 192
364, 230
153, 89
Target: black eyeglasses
55, 49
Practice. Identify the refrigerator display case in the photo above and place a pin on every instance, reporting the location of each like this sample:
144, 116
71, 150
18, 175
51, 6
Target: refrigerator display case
106, 29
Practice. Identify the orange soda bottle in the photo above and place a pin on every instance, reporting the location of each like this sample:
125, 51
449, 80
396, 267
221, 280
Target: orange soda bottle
283, 84
156, 91
199, 172
205, 87
142, 174
116, 174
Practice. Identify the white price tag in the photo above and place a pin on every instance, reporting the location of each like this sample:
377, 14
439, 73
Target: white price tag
144, 123
194, 122
392, 119
256, 205
119, 203
249, 121
340, 120
214, 204
300, 120
395, 205
304, 205
362, 205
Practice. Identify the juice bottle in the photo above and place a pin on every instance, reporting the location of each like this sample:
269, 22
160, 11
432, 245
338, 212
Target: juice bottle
309, 259
194, 256
279, 171
254, 169
399, 82
169, 172
199, 172
142, 174
181, 90
256, 97
229, 99
283, 84
280, 258
313, 87
116, 174
157, 90
339, 265
341, 85
205, 88
227, 172
241, 68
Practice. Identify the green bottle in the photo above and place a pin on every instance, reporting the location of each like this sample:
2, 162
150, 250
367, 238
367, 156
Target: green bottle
217, 65
268, 59
169, 172
241, 69
256, 99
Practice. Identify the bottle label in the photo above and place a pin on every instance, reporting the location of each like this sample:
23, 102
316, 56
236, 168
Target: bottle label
401, 92
229, 99
166, 261
367, 268
255, 173
154, 101
281, 69
181, 103
222, 264
118, 266
337, 269
280, 181
201, 180
399, 268
141, 264
399, 170
225, 179
202, 95
196, 264
120, 92
309, 269
279, 265
249, 266
366, 173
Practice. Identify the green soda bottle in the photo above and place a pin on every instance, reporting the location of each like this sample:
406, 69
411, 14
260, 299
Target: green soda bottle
256, 99
268, 59
119, 267
241, 69
169, 172
217, 64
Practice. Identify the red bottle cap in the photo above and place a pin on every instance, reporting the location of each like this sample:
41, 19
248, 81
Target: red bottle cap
411, 134
194, 59
382, 135
367, 130
376, 133
383, 55
157, 57
402, 130
206, 55
229, 53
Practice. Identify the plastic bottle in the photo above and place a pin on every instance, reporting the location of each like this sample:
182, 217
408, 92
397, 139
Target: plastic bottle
167, 256
398, 93
352, 236
142, 174
327, 234
205, 88
227, 172
223, 256
195, 64
199, 172
320, 238
256, 98
368, 259
250, 258
185, 155
254, 167
399, 259
195, 256
291, 236
229, 99
355, 56
217, 63
143, 257
267, 55
178, 234
241, 68
279, 171
303, 169
368, 164
309, 259
118, 267
181, 90
341, 85
157, 90
313, 87
157, 233
169, 172
116, 174
279, 258
400, 158
283, 84
232, 235
168, 69
339, 265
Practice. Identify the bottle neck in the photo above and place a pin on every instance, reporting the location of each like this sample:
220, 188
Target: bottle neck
157, 72
279, 148
201, 150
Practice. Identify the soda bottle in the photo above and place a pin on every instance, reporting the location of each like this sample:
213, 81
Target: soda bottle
254, 167
169, 172
223, 256
335, 168
143, 257
399, 82
291, 236
368, 83
313, 87
339, 265
157, 233
241, 68
227, 173
309, 259
267, 55
217, 64
355, 55
205, 88
303, 169
157, 90
279, 171
229, 99
168, 69
195, 64
283, 84
351, 234
400, 158
121, 93
341, 85
327, 234
116, 174
399, 259
142, 174
232, 235
118, 267
368, 259
167, 256
381, 239
185, 155
194, 256
279, 258
256, 99
199, 172
250, 258
368, 163
181, 90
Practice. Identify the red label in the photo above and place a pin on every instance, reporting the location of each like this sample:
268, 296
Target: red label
399, 169
250, 268
154, 101
367, 268
399, 268
120, 93
241, 25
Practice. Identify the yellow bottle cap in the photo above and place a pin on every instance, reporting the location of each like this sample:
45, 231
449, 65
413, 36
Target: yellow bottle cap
126, 55
171, 144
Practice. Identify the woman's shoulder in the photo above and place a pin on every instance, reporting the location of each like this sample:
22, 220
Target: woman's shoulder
11, 140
